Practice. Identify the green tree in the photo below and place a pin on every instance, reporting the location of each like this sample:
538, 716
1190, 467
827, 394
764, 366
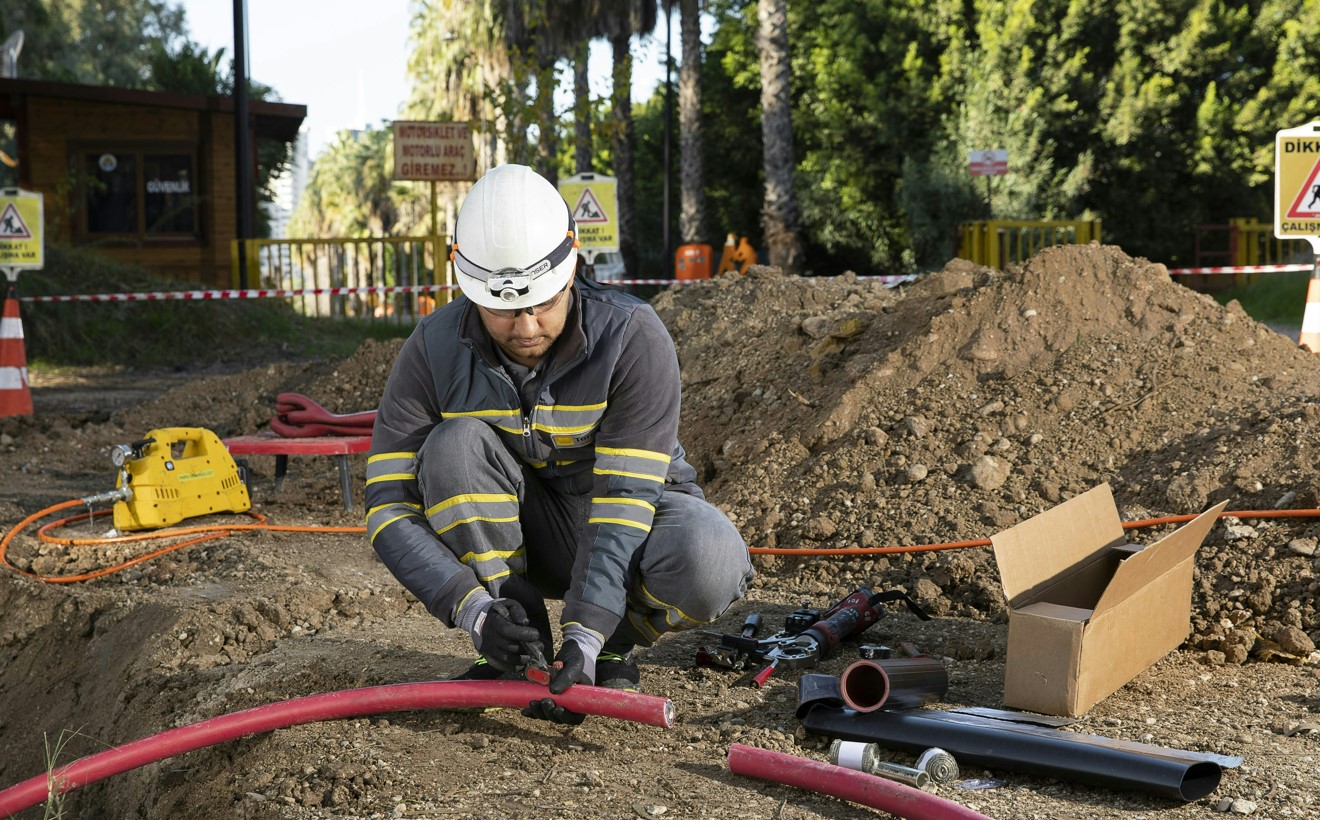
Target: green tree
92, 42
351, 192
692, 200
620, 20
781, 218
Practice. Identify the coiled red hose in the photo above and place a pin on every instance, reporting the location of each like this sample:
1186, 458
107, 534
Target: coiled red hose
591, 700
847, 784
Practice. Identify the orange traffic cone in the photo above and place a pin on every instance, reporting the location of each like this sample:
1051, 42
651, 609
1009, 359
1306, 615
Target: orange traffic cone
1310, 337
15, 393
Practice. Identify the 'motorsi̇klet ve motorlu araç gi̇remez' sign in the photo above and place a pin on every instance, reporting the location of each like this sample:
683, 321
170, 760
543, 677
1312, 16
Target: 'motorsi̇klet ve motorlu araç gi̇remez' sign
433, 152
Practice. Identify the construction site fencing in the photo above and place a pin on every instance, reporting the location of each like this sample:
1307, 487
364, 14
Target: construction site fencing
1246, 243
999, 243
334, 277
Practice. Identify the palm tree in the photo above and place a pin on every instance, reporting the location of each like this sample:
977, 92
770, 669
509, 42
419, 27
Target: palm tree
581, 109
458, 58
692, 197
780, 213
620, 20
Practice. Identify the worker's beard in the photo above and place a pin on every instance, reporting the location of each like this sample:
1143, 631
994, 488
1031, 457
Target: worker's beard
525, 351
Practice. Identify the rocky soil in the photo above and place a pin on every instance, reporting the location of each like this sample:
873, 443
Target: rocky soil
822, 414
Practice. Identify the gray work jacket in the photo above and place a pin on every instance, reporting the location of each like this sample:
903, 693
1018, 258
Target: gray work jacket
608, 405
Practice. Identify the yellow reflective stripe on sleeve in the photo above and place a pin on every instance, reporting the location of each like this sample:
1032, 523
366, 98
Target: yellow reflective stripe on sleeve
623, 521
657, 480
627, 453
388, 456
392, 477
386, 506
386, 523
489, 554
492, 577
476, 498
634, 502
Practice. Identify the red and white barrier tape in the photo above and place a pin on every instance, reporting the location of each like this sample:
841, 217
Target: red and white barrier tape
203, 295
265, 293
1245, 269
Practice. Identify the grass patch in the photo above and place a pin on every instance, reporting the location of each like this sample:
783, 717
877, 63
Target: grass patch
167, 334
1273, 298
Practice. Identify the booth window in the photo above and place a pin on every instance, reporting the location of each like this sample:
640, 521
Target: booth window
144, 194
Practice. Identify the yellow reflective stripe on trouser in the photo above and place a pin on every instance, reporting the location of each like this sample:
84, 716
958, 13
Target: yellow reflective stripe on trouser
470, 507
391, 467
674, 617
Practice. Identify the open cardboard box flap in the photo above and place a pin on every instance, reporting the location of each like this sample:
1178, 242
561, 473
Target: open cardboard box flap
1150, 563
1040, 549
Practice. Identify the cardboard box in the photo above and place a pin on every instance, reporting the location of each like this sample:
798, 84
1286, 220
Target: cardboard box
1088, 611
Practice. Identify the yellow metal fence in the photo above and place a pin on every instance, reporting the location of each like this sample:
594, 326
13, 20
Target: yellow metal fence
386, 279
1246, 242
998, 243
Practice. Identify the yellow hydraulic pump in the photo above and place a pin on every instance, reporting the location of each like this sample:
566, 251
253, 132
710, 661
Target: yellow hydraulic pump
172, 474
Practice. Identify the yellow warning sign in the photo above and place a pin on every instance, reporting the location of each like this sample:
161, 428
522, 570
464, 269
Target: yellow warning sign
594, 201
1297, 183
20, 229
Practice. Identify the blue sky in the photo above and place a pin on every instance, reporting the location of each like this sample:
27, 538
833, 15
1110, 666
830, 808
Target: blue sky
346, 60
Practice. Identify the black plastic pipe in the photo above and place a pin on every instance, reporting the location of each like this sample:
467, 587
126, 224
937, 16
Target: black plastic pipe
1098, 761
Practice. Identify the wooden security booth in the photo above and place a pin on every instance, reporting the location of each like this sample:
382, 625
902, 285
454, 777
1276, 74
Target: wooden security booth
142, 176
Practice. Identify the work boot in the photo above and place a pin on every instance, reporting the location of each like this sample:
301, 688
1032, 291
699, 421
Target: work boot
616, 670
482, 670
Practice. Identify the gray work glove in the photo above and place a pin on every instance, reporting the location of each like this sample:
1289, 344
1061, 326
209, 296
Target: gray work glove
570, 667
500, 631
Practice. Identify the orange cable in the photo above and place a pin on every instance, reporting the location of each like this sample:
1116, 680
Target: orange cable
210, 533
205, 533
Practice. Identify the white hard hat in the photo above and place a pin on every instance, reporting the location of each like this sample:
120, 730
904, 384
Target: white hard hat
514, 240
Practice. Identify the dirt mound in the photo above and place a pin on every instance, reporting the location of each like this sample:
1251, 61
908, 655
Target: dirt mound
821, 413
836, 413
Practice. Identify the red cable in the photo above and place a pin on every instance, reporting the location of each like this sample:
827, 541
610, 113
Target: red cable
590, 700
848, 784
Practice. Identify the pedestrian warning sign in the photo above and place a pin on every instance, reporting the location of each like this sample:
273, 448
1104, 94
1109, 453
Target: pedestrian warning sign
595, 203
20, 229
1297, 183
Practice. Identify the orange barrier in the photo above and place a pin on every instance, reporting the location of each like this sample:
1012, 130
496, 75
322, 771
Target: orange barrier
692, 262
1310, 336
15, 391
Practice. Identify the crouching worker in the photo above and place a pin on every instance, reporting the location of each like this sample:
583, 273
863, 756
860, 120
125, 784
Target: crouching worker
526, 446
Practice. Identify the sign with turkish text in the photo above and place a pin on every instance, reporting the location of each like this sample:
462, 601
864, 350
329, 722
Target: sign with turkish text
1297, 183
21, 239
594, 201
987, 163
434, 152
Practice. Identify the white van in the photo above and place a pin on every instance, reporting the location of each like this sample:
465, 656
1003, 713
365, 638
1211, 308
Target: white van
609, 267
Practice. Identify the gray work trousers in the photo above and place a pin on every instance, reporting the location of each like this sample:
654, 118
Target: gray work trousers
691, 567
